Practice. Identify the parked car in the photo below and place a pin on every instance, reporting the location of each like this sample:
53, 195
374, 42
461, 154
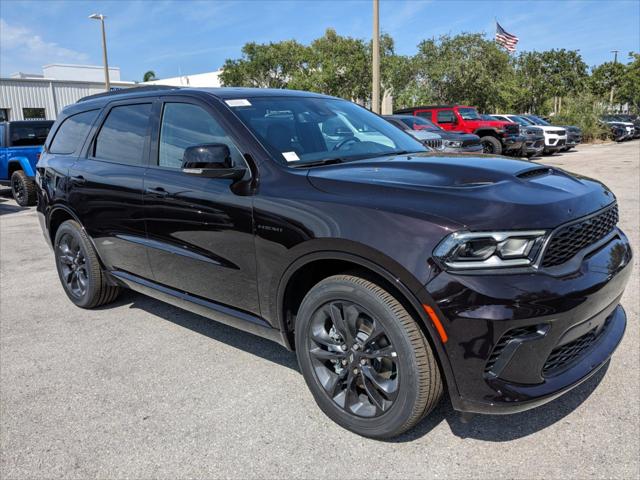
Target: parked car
429, 139
534, 144
574, 134
452, 142
496, 137
615, 120
618, 132
555, 138
20, 147
394, 273
631, 119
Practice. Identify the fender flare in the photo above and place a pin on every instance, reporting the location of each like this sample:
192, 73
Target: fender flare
414, 301
24, 163
487, 130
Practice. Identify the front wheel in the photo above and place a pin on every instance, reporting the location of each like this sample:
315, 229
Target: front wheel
23, 189
491, 145
364, 358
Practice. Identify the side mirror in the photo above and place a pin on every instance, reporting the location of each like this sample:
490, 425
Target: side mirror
211, 160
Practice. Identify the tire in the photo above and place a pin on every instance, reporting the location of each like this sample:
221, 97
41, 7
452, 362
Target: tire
491, 145
405, 369
79, 269
23, 189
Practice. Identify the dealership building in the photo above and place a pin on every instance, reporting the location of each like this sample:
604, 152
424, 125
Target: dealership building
34, 96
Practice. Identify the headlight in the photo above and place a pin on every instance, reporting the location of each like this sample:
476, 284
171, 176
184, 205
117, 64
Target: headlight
473, 250
452, 143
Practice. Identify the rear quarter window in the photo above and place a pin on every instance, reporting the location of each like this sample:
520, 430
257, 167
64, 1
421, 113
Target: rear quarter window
71, 134
28, 134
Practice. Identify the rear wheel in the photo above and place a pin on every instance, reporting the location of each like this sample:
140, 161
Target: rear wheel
79, 269
364, 358
23, 189
491, 145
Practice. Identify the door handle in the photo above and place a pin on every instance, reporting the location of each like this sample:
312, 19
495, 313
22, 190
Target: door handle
156, 192
78, 180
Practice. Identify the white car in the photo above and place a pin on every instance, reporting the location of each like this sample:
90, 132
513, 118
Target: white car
555, 138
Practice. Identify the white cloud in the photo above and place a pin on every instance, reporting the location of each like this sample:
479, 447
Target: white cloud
28, 50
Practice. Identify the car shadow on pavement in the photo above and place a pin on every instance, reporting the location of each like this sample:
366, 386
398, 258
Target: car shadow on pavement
233, 337
492, 428
7, 208
504, 428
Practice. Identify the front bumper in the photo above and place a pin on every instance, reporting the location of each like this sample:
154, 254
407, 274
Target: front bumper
478, 148
513, 142
512, 336
534, 146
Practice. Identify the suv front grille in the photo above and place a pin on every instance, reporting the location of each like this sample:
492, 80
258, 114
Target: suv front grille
437, 143
569, 240
513, 129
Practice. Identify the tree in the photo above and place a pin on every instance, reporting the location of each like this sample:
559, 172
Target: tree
605, 77
271, 65
629, 91
466, 68
148, 76
336, 65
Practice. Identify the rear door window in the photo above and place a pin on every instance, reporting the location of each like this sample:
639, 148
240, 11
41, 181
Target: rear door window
71, 134
123, 136
445, 116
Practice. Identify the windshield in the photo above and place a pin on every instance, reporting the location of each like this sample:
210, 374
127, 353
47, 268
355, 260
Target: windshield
538, 120
421, 123
469, 113
299, 130
520, 121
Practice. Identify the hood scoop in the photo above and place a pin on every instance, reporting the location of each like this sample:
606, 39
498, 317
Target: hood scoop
536, 172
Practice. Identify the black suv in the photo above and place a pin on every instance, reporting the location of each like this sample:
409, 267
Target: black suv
394, 273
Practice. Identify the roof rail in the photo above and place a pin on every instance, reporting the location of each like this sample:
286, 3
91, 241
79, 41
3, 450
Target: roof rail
146, 88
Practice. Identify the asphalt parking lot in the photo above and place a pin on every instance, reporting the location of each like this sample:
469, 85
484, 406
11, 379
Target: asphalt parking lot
140, 389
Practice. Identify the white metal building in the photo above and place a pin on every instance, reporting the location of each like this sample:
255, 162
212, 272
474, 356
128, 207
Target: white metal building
208, 79
26, 96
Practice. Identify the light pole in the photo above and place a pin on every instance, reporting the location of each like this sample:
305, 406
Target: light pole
615, 60
101, 17
375, 64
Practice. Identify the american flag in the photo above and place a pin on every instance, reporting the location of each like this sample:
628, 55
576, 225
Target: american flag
505, 39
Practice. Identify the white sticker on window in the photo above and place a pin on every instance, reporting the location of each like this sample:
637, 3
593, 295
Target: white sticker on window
238, 102
290, 156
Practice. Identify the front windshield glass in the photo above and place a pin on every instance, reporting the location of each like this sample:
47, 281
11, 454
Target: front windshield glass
521, 121
469, 113
421, 123
539, 121
299, 130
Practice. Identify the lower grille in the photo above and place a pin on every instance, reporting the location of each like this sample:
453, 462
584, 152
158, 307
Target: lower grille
513, 129
564, 355
504, 341
569, 240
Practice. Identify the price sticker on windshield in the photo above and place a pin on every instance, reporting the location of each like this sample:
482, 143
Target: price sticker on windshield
238, 102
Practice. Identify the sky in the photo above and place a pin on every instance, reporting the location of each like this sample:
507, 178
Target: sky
187, 37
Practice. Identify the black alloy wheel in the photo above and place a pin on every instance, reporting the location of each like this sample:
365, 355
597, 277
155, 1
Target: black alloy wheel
363, 356
353, 358
79, 268
73, 267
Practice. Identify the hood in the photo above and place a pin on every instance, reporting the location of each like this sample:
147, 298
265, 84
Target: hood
475, 192
465, 138
424, 135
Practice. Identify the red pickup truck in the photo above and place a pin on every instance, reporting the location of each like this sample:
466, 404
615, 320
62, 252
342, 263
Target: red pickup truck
496, 136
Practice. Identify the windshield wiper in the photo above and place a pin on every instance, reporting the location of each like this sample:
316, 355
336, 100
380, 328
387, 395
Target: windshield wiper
316, 163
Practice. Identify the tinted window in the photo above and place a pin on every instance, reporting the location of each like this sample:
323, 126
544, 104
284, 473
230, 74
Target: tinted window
425, 114
297, 130
185, 125
27, 134
469, 113
72, 132
123, 134
446, 116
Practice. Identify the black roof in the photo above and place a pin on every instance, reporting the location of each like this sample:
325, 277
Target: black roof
222, 92
423, 107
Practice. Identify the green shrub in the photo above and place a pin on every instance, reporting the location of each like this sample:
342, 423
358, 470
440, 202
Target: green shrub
583, 110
